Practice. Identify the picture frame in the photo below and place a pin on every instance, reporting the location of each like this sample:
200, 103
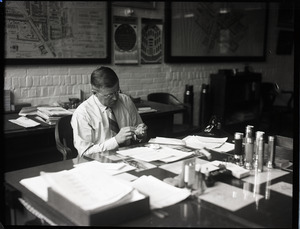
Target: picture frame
215, 31
76, 32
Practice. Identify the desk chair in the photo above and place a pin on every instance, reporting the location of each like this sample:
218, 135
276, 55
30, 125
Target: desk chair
64, 138
178, 129
276, 119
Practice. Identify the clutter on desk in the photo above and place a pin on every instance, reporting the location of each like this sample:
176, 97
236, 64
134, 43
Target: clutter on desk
90, 194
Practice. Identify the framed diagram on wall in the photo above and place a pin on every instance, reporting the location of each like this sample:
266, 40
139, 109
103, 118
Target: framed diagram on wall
151, 45
57, 32
215, 31
125, 40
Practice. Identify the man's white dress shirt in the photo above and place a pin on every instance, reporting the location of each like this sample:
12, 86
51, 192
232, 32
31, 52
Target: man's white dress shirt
91, 125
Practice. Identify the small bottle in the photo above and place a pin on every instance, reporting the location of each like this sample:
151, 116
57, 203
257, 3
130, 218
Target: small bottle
249, 132
249, 149
258, 134
189, 174
271, 152
209, 181
238, 148
199, 185
260, 162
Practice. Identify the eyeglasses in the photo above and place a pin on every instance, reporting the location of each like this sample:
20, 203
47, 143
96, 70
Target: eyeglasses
107, 96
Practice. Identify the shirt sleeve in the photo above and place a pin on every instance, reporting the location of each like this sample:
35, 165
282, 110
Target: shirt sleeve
134, 114
83, 137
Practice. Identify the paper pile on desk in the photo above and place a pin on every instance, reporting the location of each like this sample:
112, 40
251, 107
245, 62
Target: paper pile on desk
196, 142
161, 194
87, 187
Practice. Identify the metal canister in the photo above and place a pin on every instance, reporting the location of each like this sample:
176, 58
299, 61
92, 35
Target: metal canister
249, 149
238, 148
258, 135
260, 161
271, 151
249, 131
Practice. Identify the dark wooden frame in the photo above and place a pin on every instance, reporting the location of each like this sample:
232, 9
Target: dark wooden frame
50, 61
169, 58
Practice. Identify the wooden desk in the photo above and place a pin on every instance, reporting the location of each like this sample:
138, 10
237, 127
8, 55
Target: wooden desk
26, 147
274, 211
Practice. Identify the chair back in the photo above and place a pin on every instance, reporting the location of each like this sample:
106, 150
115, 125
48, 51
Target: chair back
163, 97
64, 137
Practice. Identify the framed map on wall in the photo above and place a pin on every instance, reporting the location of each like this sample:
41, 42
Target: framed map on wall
57, 32
215, 31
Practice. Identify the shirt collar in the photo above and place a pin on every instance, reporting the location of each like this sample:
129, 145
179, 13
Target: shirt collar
99, 104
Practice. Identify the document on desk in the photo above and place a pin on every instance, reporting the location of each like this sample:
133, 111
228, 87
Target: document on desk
147, 154
25, 122
109, 168
161, 194
167, 141
199, 142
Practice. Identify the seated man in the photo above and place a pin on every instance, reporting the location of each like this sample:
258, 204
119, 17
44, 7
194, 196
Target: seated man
108, 118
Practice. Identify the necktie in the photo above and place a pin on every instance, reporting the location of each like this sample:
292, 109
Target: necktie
113, 125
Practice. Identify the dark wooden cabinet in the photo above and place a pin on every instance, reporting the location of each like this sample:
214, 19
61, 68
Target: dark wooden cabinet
235, 99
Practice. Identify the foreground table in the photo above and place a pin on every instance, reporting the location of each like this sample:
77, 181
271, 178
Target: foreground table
272, 209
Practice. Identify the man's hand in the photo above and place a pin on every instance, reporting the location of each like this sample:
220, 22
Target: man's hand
125, 134
141, 131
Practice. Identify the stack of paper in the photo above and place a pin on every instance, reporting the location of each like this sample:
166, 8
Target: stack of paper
28, 111
161, 194
89, 188
52, 114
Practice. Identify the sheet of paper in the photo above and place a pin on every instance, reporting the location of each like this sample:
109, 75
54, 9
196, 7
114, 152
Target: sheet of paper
37, 185
110, 168
164, 153
161, 194
167, 141
228, 196
176, 167
25, 122
199, 142
266, 175
126, 176
175, 154
145, 154
226, 147
283, 188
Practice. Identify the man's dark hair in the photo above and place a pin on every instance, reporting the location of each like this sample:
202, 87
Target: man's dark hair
104, 77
